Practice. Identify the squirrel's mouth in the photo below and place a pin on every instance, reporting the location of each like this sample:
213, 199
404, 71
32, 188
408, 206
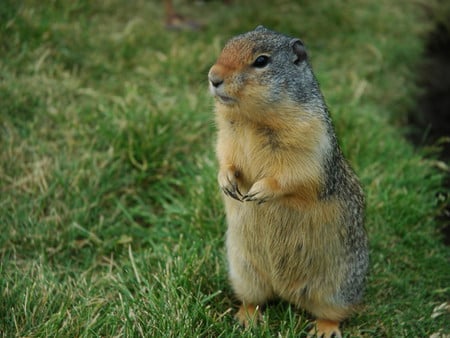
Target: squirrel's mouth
225, 99
221, 96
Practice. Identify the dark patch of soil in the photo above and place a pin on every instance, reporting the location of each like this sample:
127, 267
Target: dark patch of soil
431, 121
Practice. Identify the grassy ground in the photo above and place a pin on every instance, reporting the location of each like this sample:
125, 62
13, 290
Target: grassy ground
111, 218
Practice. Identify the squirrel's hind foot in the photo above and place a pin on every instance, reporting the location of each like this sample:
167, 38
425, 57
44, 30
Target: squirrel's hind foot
248, 315
324, 328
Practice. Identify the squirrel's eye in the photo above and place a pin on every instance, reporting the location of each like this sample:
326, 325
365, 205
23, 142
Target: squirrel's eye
261, 61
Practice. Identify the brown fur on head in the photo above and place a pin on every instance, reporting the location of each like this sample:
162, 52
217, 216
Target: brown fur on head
235, 82
262, 71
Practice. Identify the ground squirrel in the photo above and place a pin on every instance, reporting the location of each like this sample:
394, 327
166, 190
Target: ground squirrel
294, 207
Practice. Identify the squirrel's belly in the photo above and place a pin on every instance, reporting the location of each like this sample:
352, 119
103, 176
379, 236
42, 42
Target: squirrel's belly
285, 248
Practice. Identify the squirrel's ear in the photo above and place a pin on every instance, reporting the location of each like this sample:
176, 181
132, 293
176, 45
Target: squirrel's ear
299, 50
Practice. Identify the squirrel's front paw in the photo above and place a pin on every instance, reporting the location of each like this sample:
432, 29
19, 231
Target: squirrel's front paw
228, 181
262, 191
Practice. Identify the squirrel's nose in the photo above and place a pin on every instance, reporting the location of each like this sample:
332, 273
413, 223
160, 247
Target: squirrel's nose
215, 80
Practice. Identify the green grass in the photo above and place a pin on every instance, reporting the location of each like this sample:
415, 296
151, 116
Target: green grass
111, 219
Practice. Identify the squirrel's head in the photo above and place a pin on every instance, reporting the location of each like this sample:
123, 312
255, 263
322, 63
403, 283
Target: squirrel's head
259, 69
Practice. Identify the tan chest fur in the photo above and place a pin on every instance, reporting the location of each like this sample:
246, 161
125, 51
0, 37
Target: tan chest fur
289, 149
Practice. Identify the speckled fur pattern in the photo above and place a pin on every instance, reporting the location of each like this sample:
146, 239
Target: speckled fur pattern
294, 206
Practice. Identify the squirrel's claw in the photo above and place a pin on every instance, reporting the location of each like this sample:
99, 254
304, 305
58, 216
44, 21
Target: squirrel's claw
233, 194
255, 198
232, 190
229, 184
252, 198
325, 329
259, 193
249, 197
